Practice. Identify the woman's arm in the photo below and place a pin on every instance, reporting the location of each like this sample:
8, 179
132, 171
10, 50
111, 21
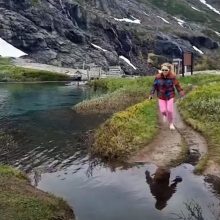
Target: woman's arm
154, 87
178, 87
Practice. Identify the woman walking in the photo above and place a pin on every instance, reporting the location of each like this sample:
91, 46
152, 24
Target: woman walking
165, 84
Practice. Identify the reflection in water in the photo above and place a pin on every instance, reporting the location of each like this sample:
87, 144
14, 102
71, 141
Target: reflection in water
160, 186
194, 212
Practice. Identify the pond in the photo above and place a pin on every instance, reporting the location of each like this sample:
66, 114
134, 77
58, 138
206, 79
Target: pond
50, 142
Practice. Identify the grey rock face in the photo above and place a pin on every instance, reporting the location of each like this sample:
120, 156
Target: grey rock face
61, 32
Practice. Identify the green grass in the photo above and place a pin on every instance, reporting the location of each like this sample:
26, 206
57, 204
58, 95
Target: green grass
126, 132
11, 73
201, 109
111, 102
199, 79
118, 95
21, 201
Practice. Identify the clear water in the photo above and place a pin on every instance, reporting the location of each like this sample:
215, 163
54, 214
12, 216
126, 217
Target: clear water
47, 139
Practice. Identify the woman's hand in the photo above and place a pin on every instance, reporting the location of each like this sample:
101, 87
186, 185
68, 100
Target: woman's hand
182, 94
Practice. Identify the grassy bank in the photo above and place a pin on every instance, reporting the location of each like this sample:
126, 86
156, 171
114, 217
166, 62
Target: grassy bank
11, 73
118, 94
21, 201
130, 128
126, 132
201, 109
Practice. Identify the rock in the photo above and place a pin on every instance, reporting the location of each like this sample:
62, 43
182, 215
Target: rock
201, 42
60, 32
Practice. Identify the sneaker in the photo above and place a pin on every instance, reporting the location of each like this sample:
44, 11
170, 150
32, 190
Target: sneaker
172, 126
164, 119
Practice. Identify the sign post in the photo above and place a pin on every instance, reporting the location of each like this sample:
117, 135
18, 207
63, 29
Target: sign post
187, 62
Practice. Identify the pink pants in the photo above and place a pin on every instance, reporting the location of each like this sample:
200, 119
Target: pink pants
167, 109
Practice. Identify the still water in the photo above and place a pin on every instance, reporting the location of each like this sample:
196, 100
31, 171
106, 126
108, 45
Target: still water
50, 141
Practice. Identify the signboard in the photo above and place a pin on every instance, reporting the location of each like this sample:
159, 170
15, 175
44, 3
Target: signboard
187, 59
187, 62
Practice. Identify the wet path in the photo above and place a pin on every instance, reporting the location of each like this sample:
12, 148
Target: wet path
168, 145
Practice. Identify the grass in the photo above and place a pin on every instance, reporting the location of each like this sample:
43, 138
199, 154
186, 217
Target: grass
207, 63
118, 95
126, 132
110, 102
11, 73
201, 109
21, 201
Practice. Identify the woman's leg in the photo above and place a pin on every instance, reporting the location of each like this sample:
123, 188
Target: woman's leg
170, 110
163, 106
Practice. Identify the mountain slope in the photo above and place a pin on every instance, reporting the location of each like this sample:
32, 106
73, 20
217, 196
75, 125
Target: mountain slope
70, 32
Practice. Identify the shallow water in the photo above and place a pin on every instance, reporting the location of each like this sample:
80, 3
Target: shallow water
46, 139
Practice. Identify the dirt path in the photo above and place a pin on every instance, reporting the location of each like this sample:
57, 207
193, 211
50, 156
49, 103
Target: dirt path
168, 145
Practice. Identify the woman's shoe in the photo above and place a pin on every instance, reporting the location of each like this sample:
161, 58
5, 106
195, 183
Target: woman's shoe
172, 126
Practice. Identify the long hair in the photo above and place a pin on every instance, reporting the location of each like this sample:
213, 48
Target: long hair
170, 66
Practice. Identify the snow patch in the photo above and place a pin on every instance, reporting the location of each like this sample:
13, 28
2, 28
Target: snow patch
7, 50
195, 8
217, 33
180, 22
127, 61
209, 6
135, 21
197, 49
146, 13
98, 47
163, 19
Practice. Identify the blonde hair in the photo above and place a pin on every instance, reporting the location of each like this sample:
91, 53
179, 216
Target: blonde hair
169, 66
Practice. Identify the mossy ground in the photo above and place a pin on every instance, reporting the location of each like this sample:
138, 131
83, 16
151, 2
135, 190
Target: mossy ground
21, 201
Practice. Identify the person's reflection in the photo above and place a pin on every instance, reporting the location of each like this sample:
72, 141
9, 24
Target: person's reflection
160, 187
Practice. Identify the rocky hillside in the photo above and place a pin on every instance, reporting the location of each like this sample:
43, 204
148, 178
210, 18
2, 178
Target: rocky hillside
105, 32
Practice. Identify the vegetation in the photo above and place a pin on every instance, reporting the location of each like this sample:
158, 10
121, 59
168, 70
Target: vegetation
20, 201
201, 109
126, 132
207, 63
11, 73
118, 95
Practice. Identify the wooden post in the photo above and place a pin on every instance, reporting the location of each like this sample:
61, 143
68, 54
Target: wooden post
192, 64
183, 65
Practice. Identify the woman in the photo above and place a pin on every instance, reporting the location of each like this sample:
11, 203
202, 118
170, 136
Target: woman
165, 84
